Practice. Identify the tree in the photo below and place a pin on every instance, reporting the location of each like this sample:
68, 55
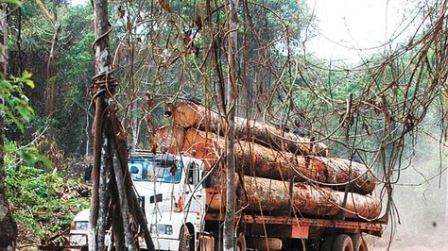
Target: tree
109, 177
232, 97
7, 223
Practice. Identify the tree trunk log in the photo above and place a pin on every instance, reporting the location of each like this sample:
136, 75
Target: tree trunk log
252, 158
274, 196
260, 161
341, 171
189, 114
215, 199
170, 138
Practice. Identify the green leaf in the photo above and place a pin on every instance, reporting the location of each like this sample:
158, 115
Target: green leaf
16, 2
26, 78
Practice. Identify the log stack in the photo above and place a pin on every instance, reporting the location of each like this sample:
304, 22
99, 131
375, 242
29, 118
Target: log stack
280, 172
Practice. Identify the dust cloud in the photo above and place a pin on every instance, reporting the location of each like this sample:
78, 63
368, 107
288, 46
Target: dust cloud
421, 200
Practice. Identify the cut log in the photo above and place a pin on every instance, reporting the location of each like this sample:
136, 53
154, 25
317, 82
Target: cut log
189, 114
265, 195
341, 171
170, 139
216, 192
268, 195
251, 158
274, 197
260, 161
215, 199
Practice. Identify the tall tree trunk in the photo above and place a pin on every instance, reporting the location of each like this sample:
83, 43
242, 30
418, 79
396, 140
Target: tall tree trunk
231, 95
102, 71
103, 196
51, 73
8, 226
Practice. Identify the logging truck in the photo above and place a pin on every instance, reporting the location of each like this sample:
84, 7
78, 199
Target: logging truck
184, 206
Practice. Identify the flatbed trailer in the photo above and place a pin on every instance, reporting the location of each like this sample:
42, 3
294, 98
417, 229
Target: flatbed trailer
300, 227
295, 232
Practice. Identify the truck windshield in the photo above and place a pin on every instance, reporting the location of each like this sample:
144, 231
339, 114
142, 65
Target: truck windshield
144, 168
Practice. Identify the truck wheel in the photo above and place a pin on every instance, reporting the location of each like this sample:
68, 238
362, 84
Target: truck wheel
185, 242
342, 242
358, 243
327, 243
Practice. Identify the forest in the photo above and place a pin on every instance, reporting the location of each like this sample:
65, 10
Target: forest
70, 70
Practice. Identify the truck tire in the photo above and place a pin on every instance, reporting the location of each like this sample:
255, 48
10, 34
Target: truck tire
342, 242
185, 240
358, 243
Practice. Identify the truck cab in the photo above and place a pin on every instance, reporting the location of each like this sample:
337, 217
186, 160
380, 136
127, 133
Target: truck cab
171, 195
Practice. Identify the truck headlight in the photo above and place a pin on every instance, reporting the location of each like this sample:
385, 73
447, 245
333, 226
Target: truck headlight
162, 229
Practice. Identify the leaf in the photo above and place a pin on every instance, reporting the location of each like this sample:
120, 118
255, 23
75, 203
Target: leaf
10, 147
26, 78
16, 2
46, 161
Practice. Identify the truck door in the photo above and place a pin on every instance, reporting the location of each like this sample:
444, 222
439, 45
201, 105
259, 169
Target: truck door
194, 198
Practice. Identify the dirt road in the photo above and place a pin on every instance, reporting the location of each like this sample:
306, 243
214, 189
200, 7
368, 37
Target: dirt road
435, 240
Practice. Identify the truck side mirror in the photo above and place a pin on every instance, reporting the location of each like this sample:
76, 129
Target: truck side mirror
207, 180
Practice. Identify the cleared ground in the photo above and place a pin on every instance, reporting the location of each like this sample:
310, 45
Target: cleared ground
437, 239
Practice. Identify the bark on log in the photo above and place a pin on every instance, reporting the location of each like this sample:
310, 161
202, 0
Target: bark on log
169, 138
340, 171
331, 202
260, 161
189, 114
274, 196
216, 191
215, 199
252, 158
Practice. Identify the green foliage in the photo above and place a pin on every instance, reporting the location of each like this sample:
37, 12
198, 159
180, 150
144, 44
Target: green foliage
15, 104
73, 77
34, 190
35, 193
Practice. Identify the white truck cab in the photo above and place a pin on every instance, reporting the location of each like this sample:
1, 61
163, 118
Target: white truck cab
171, 196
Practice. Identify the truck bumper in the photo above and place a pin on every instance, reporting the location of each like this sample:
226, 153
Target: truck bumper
165, 243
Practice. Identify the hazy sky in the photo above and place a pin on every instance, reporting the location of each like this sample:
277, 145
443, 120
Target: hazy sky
345, 24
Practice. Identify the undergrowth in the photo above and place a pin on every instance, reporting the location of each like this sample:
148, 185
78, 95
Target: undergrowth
35, 189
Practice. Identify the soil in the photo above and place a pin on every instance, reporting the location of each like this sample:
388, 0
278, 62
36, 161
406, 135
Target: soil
435, 240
